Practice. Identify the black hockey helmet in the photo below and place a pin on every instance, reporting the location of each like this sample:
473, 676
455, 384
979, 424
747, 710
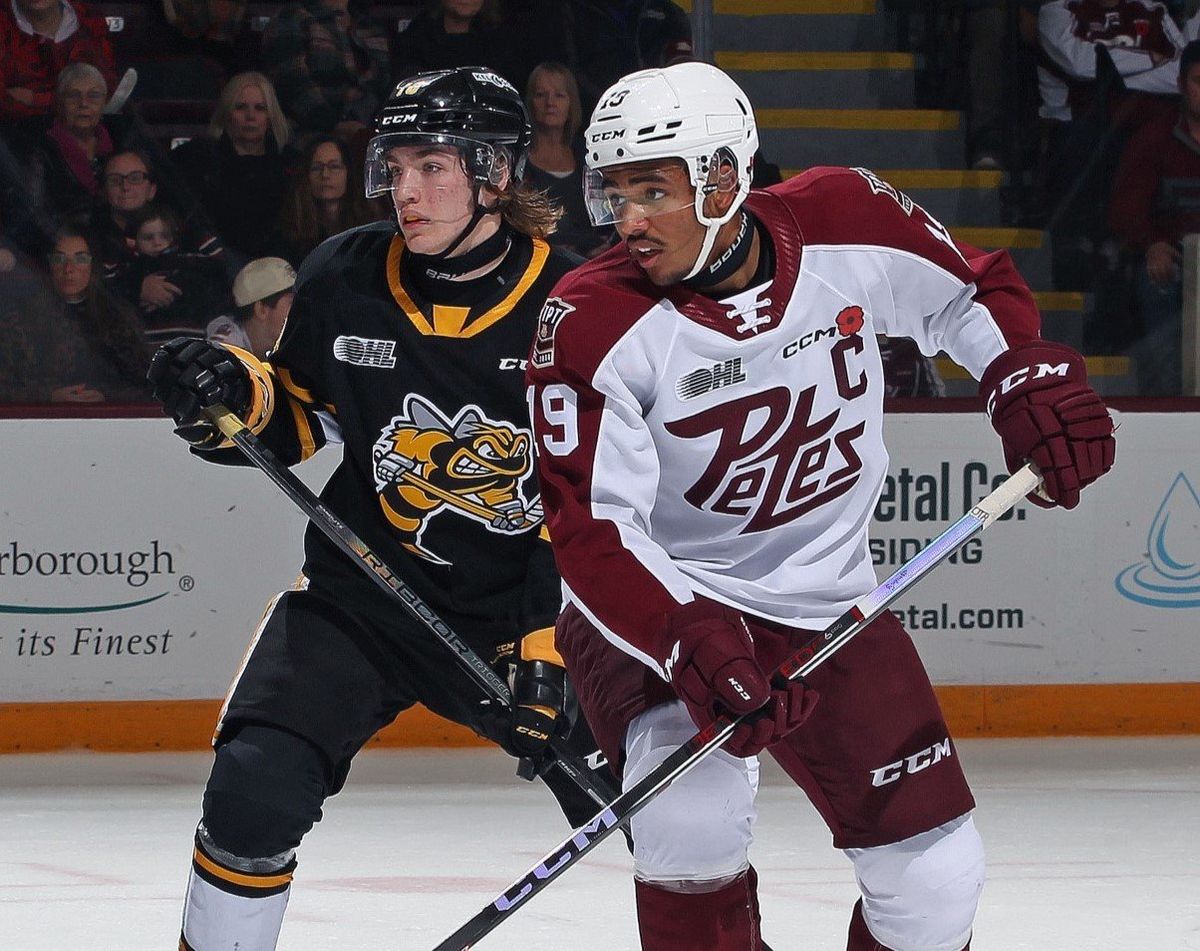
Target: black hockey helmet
471, 108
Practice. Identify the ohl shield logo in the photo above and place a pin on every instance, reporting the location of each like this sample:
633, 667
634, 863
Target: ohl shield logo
427, 464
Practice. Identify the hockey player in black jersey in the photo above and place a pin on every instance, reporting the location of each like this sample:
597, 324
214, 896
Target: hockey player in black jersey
406, 343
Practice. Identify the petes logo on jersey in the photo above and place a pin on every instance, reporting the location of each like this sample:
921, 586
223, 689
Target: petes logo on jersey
553, 311
706, 379
365, 352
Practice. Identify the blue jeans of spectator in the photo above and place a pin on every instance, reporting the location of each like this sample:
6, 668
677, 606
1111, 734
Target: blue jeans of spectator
1158, 351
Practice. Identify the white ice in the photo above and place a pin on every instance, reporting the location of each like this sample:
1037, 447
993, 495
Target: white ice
1092, 844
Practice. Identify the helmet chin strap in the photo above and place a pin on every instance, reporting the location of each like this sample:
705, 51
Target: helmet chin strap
711, 227
706, 246
476, 217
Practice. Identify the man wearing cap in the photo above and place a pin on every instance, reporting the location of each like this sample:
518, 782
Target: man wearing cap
263, 294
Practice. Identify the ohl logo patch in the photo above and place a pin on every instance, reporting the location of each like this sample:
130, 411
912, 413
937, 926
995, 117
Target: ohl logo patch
426, 463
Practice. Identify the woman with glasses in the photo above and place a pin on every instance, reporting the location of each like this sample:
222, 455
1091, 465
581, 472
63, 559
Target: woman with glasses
239, 170
67, 162
74, 343
326, 198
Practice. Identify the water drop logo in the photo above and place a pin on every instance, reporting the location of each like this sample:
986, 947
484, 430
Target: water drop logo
1170, 576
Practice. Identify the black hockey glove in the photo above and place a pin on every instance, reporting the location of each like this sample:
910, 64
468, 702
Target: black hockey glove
538, 683
189, 375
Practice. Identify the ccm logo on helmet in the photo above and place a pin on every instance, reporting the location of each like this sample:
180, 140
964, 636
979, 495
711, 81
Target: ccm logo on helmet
1013, 380
608, 134
398, 120
912, 764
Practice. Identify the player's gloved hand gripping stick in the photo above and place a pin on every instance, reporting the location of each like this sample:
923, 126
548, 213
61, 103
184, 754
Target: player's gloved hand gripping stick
357, 550
805, 660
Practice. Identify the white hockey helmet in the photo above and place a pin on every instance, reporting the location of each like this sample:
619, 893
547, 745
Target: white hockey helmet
689, 111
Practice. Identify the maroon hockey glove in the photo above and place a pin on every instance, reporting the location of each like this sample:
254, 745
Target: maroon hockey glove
709, 659
1045, 413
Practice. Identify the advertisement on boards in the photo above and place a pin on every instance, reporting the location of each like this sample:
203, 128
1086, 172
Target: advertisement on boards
130, 570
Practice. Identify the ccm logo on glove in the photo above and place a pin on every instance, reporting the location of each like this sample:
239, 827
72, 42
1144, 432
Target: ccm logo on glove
1046, 413
1013, 380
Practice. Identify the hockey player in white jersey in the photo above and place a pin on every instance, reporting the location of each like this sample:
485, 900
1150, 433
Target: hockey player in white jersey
707, 403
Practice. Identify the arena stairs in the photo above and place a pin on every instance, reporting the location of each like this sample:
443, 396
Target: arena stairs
829, 89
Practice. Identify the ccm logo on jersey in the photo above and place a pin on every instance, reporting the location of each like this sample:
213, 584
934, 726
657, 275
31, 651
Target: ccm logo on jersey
365, 352
849, 321
553, 311
1036, 372
927, 757
706, 379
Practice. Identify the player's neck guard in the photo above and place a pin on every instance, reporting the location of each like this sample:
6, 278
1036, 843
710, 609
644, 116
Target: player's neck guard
727, 263
432, 270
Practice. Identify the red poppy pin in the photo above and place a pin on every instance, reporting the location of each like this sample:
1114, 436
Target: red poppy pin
850, 320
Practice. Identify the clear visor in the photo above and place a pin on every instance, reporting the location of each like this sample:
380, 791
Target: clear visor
390, 154
609, 202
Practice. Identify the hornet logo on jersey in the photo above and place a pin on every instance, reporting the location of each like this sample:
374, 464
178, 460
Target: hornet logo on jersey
426, 464
553, 311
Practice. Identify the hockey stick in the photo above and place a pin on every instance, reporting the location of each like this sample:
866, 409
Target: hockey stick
806, 659
357, 550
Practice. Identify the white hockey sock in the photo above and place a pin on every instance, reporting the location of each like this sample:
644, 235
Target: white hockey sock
228, 908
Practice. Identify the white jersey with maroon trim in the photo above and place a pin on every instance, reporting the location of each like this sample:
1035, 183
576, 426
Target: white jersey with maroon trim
734, 449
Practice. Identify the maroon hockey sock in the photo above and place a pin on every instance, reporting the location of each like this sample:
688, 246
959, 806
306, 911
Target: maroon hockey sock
860, 938
724, 920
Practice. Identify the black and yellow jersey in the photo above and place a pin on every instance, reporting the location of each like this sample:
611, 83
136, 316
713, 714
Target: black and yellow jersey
438, 474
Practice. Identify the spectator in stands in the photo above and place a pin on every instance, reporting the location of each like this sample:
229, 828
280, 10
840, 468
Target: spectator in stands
450, 33
1140, 35
616, 37
130, 184
77, 143
262, 292
555, 162
212, 27
195, 283
239, 171
907, 372
1155, 202
326, 198
985, 36
78, 344
1105, 67
17, 276
329, 62
38, 39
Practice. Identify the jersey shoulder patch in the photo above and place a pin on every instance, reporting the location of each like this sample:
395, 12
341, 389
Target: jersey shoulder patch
588, 311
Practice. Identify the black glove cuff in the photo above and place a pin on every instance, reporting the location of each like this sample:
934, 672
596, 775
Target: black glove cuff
539, 683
